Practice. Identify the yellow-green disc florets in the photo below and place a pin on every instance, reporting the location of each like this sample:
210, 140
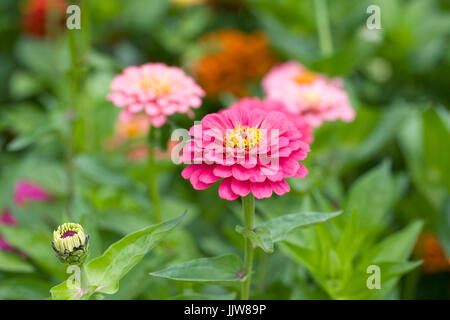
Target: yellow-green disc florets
70, 243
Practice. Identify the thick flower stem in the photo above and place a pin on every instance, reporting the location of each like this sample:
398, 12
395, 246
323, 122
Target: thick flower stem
152, 186
248, 206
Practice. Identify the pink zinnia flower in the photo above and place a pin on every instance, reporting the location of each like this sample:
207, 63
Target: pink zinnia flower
272, 105
27, 191
24, 192
155, 89
250, 150
7, 218
309, 94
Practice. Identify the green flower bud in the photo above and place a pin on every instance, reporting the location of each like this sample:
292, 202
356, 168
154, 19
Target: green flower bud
70, 243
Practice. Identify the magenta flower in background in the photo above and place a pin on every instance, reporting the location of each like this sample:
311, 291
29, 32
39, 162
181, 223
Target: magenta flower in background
4, 245
156, 90
272, 105
6, 217
248, 149
27, 191
309, 94
24, 192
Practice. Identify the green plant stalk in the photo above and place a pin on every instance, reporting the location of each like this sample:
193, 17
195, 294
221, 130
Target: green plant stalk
88, 116
84, 278
248, 208
323, 28
152, 185
262, 271
70, 136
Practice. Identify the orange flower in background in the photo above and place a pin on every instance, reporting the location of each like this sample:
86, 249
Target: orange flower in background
430, 250
37, 15
237, 60
134, 128
187, 2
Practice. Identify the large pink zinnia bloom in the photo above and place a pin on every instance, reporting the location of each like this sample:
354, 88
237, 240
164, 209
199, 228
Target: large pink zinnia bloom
309, 94
27, 191
249, 149
272, 105
155, 89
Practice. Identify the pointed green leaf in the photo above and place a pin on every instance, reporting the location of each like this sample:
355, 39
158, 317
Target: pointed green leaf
11, 262
36, 244
373, 195
221, 269
281, 226
23, 288
66, 291
105, 271
398, 246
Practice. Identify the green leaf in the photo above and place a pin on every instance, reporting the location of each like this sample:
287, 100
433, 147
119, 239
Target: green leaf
23, 85
350, 240
204, 296
95, 170
36, 244
260, 237
280, 227
398, 246
222, 269
28, 139
443, 228
11, 262
23, 288
372, 195
64, 291
105, 271
390, 272
305, 256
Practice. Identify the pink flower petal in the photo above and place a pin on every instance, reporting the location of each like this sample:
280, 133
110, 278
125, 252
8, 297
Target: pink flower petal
225, 191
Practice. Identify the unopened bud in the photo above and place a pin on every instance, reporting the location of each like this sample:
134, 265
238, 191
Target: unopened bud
70, 243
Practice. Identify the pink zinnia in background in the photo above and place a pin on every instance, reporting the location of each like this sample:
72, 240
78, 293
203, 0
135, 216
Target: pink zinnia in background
240, 147
272, 105
156, 90
24, 192
27, 191
309, 94
6, 217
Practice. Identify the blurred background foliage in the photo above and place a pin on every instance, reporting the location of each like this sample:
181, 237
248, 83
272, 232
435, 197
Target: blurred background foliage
388, 170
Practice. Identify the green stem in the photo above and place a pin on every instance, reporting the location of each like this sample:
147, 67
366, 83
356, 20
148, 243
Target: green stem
70, 115
262, 271
152, 185
323, 28
88, 113
248, 207
84, 278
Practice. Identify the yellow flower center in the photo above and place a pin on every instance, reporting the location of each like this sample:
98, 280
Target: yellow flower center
68, 237
312, 99
158, 86
306, 77
243, 137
